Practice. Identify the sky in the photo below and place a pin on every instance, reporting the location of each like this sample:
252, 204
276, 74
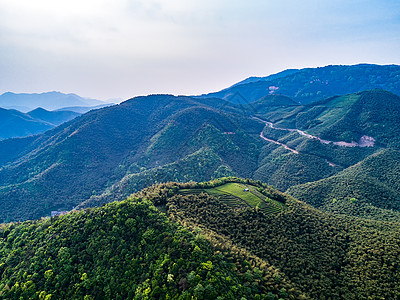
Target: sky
107, 49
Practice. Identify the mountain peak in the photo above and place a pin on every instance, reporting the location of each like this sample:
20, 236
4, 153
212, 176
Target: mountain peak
37, 110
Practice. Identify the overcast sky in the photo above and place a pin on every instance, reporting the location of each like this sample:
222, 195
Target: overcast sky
123, 48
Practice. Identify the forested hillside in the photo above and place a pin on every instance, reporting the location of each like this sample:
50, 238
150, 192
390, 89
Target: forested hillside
369, 189
347, 118
53, 117
236, 238
107, 154
66, 166
14, 123
127, 250
326, 256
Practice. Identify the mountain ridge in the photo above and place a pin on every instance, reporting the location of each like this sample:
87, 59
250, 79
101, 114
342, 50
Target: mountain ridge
109, 153
204, 244
312, 84
101, 254
124, 132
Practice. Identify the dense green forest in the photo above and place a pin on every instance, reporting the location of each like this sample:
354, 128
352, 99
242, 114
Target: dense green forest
222, 249
326, 256
319, 218
127, 250
369, 189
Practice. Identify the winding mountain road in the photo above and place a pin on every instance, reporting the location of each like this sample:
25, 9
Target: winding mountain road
365, 141
278, 143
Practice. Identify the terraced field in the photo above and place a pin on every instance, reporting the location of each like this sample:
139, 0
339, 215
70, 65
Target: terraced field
240, 195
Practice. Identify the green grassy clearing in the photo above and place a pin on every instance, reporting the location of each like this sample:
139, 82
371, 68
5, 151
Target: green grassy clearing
237, 190
234, 195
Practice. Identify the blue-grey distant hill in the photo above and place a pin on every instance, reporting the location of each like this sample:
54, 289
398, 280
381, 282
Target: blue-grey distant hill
83, 109
51, 101
14, 123
53, 117
313, 84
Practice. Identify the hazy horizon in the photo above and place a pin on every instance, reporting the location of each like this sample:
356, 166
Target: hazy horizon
120, 49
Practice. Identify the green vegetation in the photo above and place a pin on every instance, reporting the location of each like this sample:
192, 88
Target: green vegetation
253, 197
229, 237
373, 182
238, 190
123, 149
319, 253
283, 169
130, 249
346, 118
108, 154
125, 250
182, 171
237, 194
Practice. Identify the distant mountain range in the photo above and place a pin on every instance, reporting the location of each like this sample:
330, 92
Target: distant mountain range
51, 101
313, 84
109, 153
29, 114
14, 123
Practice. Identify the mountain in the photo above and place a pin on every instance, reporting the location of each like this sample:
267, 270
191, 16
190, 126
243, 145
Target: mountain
103, 148
313, 84
356, 135
228, 238
147, 199
319, 253
369, 189
110, 153
267, 78
126, 250
50, 101
17, 124
348, 118
53, 117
